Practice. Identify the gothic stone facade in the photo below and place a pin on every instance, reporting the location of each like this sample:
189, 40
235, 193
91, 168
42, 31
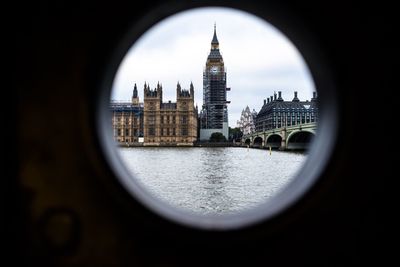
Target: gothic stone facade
246, 123
127, 120
169, 123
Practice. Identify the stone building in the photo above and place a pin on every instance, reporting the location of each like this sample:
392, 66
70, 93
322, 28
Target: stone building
214, 113
277, 113
247, 120
169, 123
127, 119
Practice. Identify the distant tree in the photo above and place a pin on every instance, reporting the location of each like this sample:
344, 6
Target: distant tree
217, 137
235, 133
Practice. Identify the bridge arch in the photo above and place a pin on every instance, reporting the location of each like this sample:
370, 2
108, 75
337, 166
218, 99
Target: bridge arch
247, 141
258, 141
273, 141
299, 139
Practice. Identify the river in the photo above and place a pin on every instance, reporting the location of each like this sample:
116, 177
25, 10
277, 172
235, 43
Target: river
212, 180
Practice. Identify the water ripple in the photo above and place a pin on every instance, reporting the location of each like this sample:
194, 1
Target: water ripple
212, 180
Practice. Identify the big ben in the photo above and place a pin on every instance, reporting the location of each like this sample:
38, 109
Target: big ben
214, 113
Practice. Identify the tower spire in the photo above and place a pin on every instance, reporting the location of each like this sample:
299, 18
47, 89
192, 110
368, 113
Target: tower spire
135, 92
215, 39
191, 89
135, 97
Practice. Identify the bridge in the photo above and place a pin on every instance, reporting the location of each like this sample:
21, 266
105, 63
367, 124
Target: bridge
286, 138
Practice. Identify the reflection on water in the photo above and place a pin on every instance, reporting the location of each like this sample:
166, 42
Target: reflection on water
212, 180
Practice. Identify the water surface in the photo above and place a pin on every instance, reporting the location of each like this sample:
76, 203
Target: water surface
212, 180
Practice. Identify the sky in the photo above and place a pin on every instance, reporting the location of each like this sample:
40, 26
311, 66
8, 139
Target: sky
259, 59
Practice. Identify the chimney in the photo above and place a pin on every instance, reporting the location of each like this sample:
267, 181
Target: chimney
271, 98
280, 96
274, 96
265, 101
295, 99
268, 99
314, 98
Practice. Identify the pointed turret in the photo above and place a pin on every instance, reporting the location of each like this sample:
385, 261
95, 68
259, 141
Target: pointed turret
214, 52
214, 41
134, 93
191, 89
159, 91
178, 89
135, 97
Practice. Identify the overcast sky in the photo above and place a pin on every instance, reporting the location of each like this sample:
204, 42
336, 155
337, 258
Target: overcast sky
258, 57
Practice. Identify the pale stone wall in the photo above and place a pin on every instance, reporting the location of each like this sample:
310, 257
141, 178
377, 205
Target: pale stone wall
172, 126
125, 126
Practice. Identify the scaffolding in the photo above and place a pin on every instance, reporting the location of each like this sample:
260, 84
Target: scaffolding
214, 113
215, 110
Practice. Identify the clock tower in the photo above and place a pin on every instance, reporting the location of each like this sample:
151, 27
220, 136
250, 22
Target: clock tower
214, 113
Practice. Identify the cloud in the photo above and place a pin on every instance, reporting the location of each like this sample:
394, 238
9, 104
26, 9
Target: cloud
259, 59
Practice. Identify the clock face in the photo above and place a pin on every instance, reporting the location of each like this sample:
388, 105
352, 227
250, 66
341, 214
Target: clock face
214, 69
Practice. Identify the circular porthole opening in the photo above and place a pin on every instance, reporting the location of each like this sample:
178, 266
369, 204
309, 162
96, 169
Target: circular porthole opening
212, 118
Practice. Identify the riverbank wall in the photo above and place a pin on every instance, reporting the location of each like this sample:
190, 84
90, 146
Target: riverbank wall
195, 144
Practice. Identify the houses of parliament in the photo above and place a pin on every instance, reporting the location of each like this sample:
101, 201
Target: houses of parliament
153, 122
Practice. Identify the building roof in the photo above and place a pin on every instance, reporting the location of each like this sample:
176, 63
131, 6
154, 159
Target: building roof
214, 54
301, 105
215, 39
126, 107
135, 92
